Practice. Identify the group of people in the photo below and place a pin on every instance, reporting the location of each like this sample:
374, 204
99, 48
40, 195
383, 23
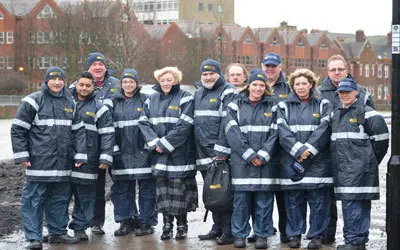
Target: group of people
289, 139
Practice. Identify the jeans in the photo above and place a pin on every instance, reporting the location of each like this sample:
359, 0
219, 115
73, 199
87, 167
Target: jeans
357, 221
84, 201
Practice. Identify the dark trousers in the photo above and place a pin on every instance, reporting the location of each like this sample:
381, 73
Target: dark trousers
331, 230
280, 203
50, 199
84, 200
222, 220
100, 204
356, 220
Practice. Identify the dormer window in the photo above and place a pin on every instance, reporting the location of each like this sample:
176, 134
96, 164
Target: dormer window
300, 43
46, 12
1, 16
248, 39
275, 41
323, 45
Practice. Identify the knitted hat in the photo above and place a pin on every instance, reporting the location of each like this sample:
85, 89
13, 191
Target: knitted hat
54, 72
130, 73
96, 56
210, 65
257, 74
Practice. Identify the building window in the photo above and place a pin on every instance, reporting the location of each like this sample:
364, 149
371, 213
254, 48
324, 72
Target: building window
373, 69
1, 15
45, 62
299, 63
31, 62
210, 7
322, 63
1, 37
83, 38
64, 62
366, 70
10, 37
2, 62
46, 12
386, 67
379, 97
371, 90
248, 39
275, 41
379, 70
323, 45
361, 69
10, 63
45, 37
31, 37
300, 43
220, 8
386, 92
200, 7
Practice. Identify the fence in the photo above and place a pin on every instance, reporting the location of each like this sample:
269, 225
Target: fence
10, 100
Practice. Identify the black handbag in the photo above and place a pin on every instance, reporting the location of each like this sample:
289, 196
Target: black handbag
217, 189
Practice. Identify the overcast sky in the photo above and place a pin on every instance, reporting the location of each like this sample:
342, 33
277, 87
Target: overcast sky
374, 17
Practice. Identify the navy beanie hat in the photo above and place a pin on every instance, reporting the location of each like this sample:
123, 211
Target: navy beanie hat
210, 65
130, 73
54, 72
96, 56
257, 74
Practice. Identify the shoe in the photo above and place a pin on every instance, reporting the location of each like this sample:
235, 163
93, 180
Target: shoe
166, 235
81, 235
284, 238
210, 235
45, 238
225, 239
328, 239
181, 232
261, 243
168, 226
124, 228
315, 243
35, 244
97, 229
351, 247
252, 238
144, 229
240, 242
295, 241
63, 238
135, 224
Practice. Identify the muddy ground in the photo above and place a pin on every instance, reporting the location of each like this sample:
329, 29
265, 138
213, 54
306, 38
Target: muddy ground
11, 183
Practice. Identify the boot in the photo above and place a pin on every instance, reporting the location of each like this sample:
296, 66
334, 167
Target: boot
35, 244
182, 227
63, 238
295, 241
81, 235
167, 228
124, 228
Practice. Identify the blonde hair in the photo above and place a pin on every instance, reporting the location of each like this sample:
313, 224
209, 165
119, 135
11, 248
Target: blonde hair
305, 73
245, 72
173, 70
268, 91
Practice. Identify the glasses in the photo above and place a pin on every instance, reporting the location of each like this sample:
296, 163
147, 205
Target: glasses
334, 70
128, 82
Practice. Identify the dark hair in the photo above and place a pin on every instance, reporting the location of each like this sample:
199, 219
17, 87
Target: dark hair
86, 74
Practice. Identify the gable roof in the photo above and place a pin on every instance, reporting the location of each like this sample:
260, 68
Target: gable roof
19, 7
235, 32
263, 34
156, 31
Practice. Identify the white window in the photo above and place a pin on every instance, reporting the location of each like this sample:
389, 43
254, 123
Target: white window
83, 38
386, 92
10, 37
220, 8
386, 67
300, 43
2, 62
372, 90
45, 62
379, 70
31, 62
373, 69
45, 37
1, 15
31, 38
379, 92
248, 39
81, 62
46, 12
64, 62
361, 69
366, 70
10, 63
2, 37
275, 41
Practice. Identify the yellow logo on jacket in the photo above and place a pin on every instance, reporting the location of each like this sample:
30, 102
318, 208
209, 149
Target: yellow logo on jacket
316, 115
215, 186
353, 120
268, 114
283, 96
139, 109
69, 110
113, 90
213, 100
90, 114
173, 107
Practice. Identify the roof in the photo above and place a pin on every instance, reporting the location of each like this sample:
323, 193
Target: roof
156, 31
236, 32
289, 36
353, 50
19, 7
263, 34
382, 51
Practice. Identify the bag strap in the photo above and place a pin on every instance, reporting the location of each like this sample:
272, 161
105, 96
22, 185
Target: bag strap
205, 216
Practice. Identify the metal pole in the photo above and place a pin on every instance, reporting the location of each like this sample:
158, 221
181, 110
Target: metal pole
393, 173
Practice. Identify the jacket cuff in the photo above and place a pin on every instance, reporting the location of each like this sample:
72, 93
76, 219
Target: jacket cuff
249, 155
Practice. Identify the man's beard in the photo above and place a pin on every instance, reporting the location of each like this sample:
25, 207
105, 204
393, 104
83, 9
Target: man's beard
208, 85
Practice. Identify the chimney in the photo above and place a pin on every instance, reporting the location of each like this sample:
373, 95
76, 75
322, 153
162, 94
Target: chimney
389, 38
360, 37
